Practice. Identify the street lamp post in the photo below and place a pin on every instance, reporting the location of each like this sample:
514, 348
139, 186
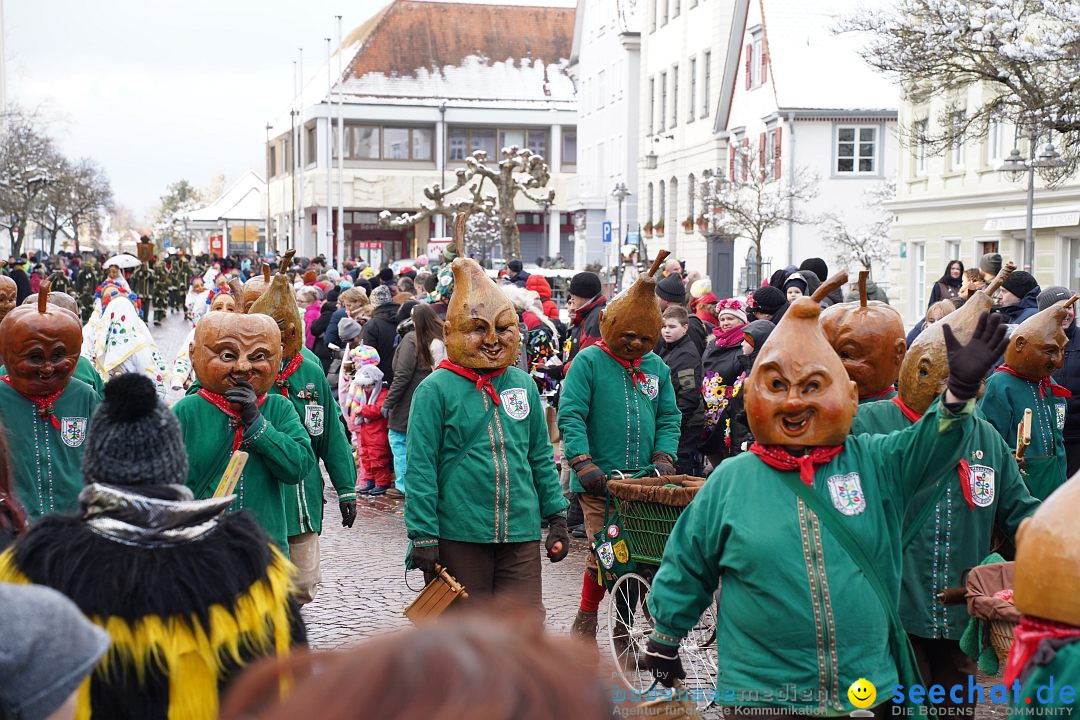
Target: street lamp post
545, 206
620, 193
1015, 167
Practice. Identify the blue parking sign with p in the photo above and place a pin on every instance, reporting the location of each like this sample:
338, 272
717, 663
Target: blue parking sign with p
606, 232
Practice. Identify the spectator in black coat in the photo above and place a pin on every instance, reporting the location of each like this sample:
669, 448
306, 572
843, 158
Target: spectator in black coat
672, 291
1069, 376
516, 275
380, 332
22, 280
821, 270
682, 358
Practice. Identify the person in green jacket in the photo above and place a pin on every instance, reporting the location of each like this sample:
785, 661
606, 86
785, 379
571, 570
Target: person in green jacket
1036, 349
618, 383
800, 619
304, 385
235, 358
44, 412
481, 472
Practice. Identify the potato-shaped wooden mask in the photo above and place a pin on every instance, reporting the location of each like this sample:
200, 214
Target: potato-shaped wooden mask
230, 346
1037, 347
1046, 582
630, 323
8, 294
279, 302
40, 345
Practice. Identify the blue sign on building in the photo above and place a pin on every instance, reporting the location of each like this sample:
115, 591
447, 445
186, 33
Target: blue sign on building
606, 231
633, 238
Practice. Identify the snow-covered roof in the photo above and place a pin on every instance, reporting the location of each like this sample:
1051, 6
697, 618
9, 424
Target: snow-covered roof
242, 201
814, 68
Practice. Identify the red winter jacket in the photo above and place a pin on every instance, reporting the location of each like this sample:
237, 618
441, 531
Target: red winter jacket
374, 440
539, 285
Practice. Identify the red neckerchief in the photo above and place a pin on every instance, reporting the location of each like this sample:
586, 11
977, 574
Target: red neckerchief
1026, 638
962, 468
634, 367
44, 403
222, 404
886, 391
1044, 382
283, 377
483, 382
777, 457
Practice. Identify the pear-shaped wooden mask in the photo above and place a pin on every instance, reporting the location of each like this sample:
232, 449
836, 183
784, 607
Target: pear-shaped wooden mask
630, 323
481, 328
1037, 347
257, 284
925, 368
798, 393
869, 338
279, 302
40, 345
1046, 581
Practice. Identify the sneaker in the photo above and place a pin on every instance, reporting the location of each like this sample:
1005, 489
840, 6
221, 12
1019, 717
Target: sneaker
378, 490
578, 531
366, 487
395, 493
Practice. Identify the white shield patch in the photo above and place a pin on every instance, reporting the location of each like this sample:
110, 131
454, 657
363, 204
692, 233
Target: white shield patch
515, 402
981, 479
314, 419
651, 386
73, 431
1060, 408
847, 493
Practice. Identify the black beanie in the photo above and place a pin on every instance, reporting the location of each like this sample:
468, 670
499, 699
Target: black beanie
386, 275
768, 299
1020, 283
585, 285
671, 289
990, 263
798, 280
816, 266
133, 439
514, 265
1052, 295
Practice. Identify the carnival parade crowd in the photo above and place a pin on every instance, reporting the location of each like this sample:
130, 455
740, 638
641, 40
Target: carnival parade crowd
855, 472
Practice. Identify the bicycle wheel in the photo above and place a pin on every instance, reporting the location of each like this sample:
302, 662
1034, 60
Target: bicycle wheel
699, 657
629, 626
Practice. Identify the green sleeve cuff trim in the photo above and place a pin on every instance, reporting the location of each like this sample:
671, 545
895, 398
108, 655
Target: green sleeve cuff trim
665, 639
427, 542
946, 416
255, 431
346, 497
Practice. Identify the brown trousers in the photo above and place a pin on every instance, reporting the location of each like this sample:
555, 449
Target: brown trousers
942, 662
593, 509
509, 570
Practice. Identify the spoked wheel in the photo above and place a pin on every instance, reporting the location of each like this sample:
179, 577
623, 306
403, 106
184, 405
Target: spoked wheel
629, 626
699, 656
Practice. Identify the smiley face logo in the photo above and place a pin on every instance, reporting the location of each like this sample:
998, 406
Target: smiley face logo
862, 693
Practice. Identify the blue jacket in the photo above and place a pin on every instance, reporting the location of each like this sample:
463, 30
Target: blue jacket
1069, 376
1028, 306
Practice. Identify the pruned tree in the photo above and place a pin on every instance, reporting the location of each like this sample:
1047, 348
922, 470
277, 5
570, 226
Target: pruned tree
75, 195
482, 234
520, 171
29, 162
864, 244
1025, 55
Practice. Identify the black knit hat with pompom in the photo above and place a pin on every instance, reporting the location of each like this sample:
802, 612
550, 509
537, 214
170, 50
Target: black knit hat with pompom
133, 439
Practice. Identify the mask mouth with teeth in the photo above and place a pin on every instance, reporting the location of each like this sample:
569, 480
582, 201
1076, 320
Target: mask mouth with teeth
8, 294
40, 345
231, 347
798, 393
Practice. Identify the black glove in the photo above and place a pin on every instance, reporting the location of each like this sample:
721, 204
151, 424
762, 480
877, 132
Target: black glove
348, 513
424, 558
385, 411
242, 395
663, 463
663, 662
589, 475
557, 533
968, 364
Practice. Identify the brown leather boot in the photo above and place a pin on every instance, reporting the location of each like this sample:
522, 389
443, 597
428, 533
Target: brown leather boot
584, 625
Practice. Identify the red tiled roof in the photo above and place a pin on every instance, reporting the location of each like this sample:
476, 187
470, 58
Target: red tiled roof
408, 35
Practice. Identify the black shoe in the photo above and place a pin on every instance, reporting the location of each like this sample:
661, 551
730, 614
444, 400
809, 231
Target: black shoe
578, 531
378, 490
365, 488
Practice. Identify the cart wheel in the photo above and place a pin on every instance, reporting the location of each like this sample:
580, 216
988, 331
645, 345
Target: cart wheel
629, 626
698, 650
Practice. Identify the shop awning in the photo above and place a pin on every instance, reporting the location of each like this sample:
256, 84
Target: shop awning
1044, 217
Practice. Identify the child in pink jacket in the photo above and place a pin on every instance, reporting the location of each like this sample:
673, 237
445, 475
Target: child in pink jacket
363, 415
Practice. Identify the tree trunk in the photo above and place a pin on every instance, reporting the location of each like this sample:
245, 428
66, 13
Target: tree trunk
17, 240
52, 242
75, 237
511, 238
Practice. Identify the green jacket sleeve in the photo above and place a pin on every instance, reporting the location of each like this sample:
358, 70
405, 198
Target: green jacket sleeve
668, 419
281, 440
334, 449
1015, 502
542, 460
423, 445
574, 401
690, 568
995, 408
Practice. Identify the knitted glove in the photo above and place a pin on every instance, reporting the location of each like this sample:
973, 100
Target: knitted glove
385, 411
348, 513
663, 463
243, 395
424, 558
663, 662
968, 364
557, 533
589, 475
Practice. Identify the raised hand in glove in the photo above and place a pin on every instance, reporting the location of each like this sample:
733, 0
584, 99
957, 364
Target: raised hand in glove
558, 538
243, 399
663, 463
969, 363
424, 558
663, 662
589, 475
348, 513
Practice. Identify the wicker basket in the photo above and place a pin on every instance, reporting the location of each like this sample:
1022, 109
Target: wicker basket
1001, 637
648, 511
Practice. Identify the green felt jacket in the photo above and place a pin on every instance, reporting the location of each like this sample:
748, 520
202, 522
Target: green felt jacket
46, 462
1053, 683
956, 536
1003, 405
887, 395
477, 474
620, 422
279, 454
309, 394
798, 621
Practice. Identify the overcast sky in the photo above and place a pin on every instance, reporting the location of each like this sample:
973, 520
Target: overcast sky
156, 91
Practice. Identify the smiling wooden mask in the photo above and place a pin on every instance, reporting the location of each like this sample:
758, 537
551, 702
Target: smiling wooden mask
230, 346
1037, 347
40, 345
630, 324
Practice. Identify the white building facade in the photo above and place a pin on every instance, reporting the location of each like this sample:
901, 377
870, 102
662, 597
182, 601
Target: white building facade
605, 65
412, 112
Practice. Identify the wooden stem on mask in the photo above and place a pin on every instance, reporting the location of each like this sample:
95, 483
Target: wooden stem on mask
266, 273
863, 276
459, 233
1071, 301
43, 297
996, 283
660, 258
286, 261
836, 281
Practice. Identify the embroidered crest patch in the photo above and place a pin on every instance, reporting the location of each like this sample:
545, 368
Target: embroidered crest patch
622, 551
981, 478
73, 431
314, 419
651, 386
613, 531
1060, 409
515, 402
847, 493
606, 555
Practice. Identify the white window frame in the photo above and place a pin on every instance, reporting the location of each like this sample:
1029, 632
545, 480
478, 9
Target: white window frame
757, 40
921, 127
652, 105
706, 59
675, 95
995, 141
956, 150
918, 273
692, 70
858, 145
663, 102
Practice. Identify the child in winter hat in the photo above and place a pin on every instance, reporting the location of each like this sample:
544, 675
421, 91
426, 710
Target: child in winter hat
370, 429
